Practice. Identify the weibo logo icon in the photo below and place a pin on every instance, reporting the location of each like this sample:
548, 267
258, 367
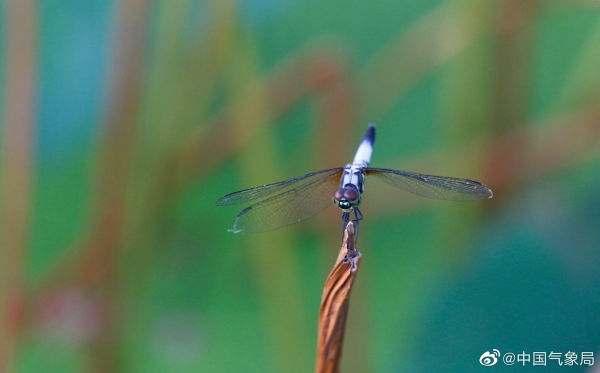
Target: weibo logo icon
488, 359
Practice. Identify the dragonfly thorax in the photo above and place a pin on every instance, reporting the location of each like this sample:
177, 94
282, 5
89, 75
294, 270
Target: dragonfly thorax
347, 198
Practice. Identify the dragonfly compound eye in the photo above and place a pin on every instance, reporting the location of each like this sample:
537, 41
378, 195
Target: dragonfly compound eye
340, 200
352, 195
338, 194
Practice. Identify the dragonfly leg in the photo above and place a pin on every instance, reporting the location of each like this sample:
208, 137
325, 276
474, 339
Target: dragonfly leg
345, 220
357, 217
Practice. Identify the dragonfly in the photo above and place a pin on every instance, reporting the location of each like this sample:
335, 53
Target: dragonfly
294, 200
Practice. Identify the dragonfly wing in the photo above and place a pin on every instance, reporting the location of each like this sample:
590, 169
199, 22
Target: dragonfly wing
251, 194
289, 207
439, 187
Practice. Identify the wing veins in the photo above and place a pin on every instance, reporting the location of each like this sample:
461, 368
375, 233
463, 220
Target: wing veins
431, 186
258, 192
258, 217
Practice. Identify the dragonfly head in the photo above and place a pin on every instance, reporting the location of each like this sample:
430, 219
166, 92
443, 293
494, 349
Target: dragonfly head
346, 198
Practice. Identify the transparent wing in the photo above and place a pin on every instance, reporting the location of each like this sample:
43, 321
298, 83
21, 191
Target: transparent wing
251, 194
439, 187
289, 207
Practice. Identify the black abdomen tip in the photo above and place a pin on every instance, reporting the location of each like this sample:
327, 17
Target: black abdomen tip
370, 134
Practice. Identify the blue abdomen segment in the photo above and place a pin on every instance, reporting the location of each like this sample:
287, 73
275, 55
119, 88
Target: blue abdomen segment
365, 149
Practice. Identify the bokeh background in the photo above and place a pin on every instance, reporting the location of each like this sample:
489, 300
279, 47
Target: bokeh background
122, 122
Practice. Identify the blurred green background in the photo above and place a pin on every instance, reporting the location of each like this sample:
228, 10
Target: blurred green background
124, 121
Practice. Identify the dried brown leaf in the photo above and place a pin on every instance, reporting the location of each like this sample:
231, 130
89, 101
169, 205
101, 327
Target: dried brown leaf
334, 305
